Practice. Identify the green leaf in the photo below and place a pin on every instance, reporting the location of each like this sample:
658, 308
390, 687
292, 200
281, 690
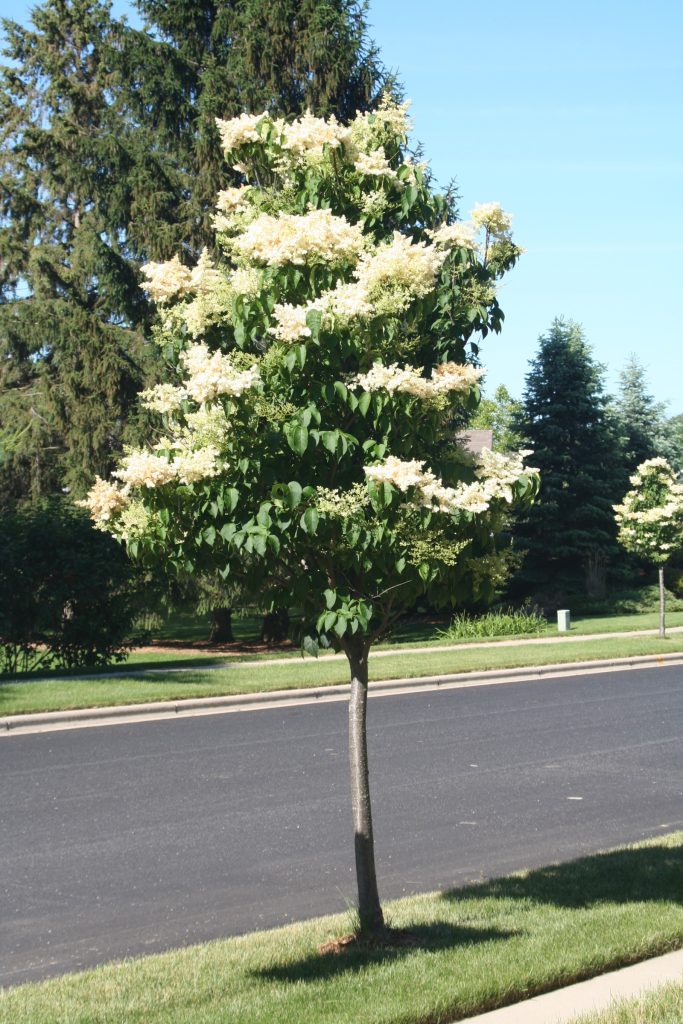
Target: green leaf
424, 571
328, 620
364, 403
294, 490
309, 520
210, 535
310, 646
297, 437
341, 390
231, 498
330, 597
330, 439
258, 541
340, 626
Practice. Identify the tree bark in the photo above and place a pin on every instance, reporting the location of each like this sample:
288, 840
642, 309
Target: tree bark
369, 909
662, 624
221, 626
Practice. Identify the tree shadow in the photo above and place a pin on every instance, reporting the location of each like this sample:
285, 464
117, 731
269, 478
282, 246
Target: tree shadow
354, 956
648, 874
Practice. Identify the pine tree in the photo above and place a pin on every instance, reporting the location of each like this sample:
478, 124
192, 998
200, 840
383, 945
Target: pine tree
111, 158
640, 417
570, 533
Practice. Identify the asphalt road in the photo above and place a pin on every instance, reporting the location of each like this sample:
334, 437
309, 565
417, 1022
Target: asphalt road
129, 839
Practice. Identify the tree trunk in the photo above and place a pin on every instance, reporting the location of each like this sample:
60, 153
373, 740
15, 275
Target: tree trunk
221, 626
662, 625
369, 909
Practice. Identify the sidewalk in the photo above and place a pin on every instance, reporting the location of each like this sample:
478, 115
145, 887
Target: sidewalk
236, 661
566, 1004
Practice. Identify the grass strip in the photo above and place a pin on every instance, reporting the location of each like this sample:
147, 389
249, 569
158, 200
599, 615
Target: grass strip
407, 636
474, 949
65, 694
662, 1006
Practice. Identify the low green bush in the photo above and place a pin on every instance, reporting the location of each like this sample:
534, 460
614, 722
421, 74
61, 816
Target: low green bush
68, 593
504, 622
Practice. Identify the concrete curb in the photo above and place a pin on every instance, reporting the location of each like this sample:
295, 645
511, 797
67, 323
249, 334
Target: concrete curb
566, 1004
159, 710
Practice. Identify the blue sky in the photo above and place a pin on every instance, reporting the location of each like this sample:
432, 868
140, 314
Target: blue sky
569, 114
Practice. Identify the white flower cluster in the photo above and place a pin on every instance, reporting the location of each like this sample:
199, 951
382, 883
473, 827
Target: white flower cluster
245, 281
461, 235
344, 302
291, 322
307, 136
232, 200
430, 492
145, 469
163, 397
409, 379
499, 472
205, 276
493, 218
410, 265
374, 163
104, 500
212, 374
288, 238
389, 120
238, 130
166, 280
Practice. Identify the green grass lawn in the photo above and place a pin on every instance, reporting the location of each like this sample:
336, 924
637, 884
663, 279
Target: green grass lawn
467, 951
60, 693
663, 1006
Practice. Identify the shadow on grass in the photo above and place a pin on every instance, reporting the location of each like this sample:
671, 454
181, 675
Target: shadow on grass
644, 875
321, 966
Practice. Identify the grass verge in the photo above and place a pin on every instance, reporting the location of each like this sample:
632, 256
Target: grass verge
663, 1006
63, 694
475, 948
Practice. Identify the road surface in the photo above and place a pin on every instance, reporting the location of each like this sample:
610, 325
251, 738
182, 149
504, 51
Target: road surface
122, 840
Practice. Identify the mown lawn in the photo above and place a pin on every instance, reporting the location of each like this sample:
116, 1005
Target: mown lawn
59, 693
663, 1006
465, 951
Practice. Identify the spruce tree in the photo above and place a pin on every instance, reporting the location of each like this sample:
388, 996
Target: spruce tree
569, 534
199, 60
111, 158
72, 318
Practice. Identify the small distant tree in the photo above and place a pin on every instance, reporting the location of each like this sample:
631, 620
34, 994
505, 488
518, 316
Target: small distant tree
307, 447
569, 534
500, 415
640, 418
650, 519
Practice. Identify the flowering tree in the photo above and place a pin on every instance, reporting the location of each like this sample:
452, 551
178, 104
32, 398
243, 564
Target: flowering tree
306, 442
650, 519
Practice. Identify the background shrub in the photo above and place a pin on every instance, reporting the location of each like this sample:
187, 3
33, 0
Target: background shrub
68, 593
504, 622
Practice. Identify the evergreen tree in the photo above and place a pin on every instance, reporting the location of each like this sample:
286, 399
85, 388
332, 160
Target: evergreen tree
198, 60
640, 417
672, 442
570, 533
111, 158
72, 318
